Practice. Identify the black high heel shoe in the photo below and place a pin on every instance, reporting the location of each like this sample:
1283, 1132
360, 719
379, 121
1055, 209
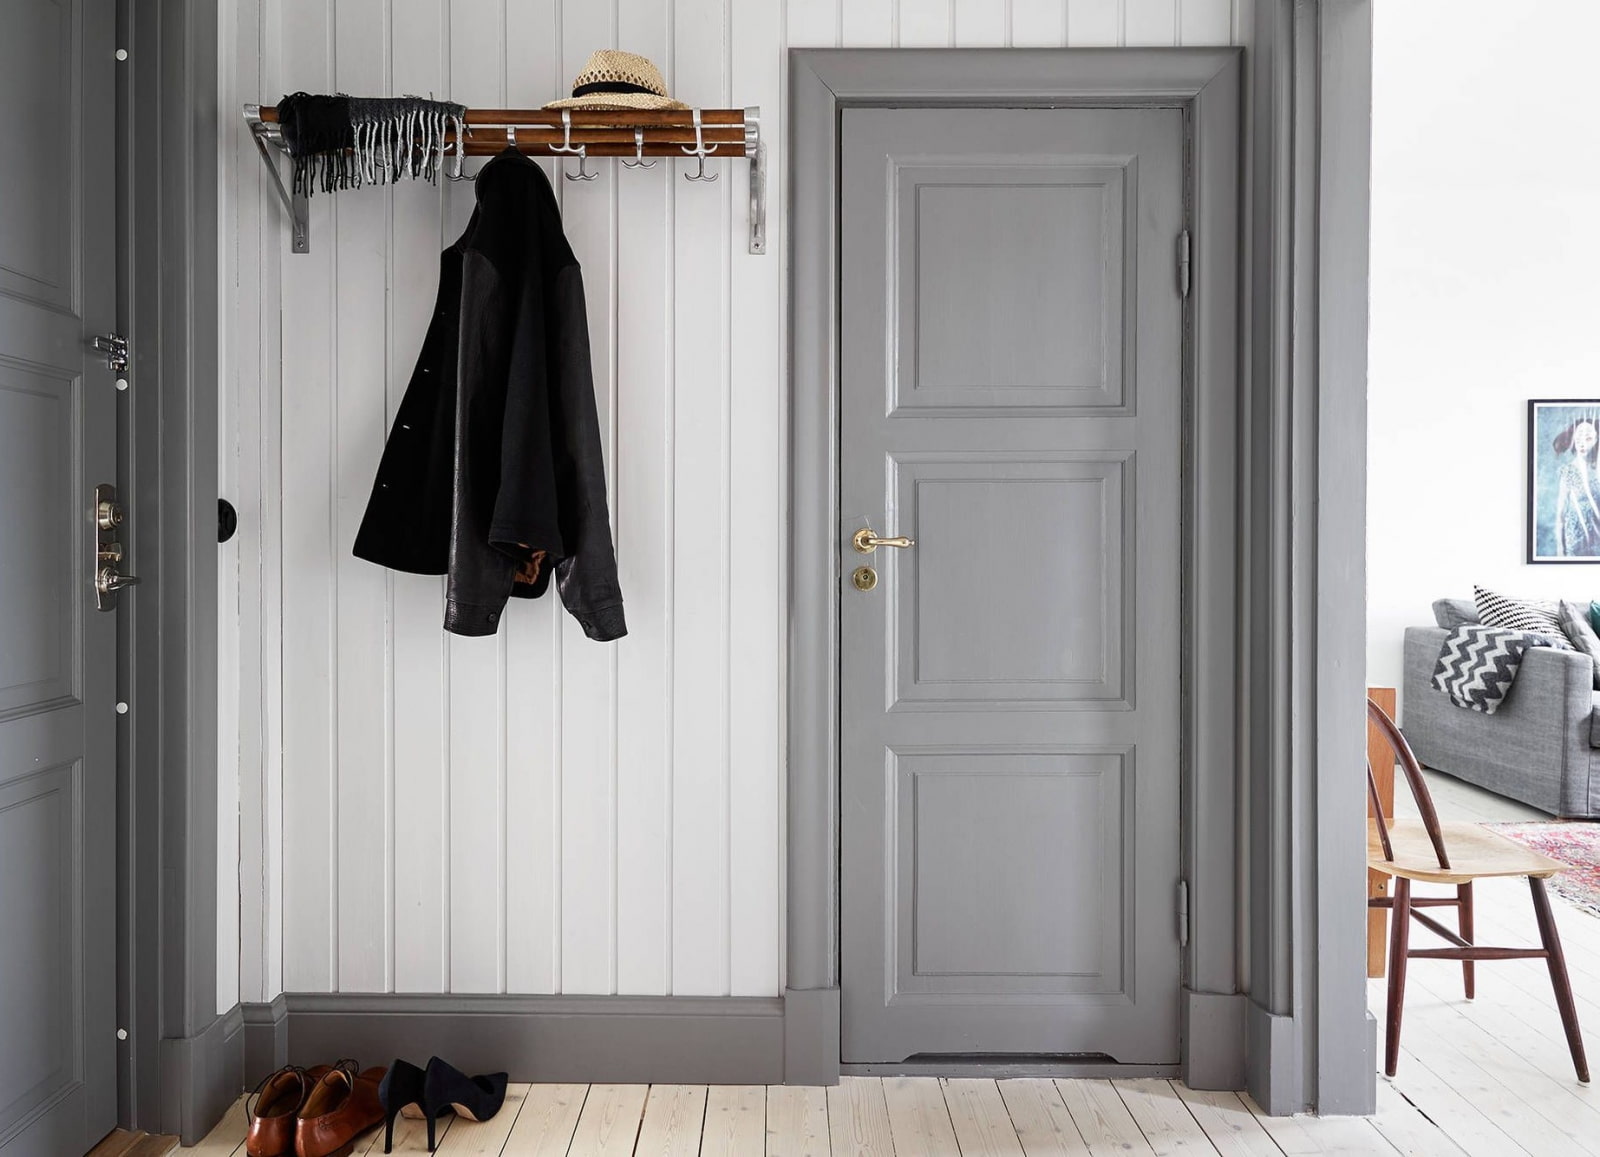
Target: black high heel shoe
400, 1089
475, 1098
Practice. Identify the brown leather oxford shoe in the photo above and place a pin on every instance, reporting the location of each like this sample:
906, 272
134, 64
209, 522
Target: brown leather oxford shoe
341, 1106
278, 1100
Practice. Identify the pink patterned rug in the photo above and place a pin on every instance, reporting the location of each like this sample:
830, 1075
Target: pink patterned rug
1577, 844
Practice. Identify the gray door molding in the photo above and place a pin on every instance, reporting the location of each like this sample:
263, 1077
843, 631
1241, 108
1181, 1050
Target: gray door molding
1206, 85
1312, 1041
182, 1063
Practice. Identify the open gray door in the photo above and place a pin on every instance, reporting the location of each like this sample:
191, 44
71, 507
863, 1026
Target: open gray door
1010, 320
57, 651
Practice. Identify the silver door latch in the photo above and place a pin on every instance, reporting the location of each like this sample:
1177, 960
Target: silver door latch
115, 347
108, 576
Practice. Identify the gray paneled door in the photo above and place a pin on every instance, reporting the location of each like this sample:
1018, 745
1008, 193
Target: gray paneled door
1011, 400
57, 653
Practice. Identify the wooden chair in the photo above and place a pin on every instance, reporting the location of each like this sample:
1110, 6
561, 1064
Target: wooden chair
1427, 851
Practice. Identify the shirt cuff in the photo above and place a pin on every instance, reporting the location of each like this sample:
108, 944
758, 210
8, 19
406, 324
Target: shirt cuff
471, 618
603, 624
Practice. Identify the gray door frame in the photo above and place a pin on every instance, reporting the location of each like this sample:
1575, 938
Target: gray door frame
1205, 84
1312, 1042
1273, 675
182, 1063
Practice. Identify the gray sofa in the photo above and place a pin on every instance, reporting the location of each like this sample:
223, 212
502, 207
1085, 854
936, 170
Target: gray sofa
1542, 747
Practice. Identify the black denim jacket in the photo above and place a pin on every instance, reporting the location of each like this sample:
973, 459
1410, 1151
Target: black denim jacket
493, 473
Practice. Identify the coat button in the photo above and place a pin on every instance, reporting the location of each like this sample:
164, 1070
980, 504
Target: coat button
492, 616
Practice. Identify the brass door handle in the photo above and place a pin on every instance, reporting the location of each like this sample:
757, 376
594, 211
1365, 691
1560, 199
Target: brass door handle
866, 541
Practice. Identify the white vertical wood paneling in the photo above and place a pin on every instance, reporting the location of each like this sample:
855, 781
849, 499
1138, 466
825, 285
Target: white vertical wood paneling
236, 346
1039, 23
361, 640
642, 517
477, 665
420, 845
311, 824
815, 23
1205, 22
269, 505
534, 74
757, 474
240, 475
535, 812
588, 670
981, 23
928, 23
1094, 23
700, 885
863, 24
1150, 22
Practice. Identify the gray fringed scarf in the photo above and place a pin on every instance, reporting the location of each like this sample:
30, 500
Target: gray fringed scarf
342, 142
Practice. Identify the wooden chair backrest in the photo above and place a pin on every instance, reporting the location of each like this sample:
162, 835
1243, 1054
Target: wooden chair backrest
1414, 783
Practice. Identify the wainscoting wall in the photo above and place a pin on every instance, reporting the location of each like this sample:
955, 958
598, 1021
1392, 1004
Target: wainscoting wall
407, 811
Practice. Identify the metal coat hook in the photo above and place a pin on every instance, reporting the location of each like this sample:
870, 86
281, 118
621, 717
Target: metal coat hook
638, 151
700, 152
566, 146
511, 136
459, 176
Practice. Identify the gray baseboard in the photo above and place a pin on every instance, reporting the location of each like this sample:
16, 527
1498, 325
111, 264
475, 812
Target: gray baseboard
201, 1076
266, 1038
590, 1039
811, 1036
1214, 1039
1273, 1074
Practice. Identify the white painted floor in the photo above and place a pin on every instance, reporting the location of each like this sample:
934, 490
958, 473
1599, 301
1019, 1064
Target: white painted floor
1489, 1077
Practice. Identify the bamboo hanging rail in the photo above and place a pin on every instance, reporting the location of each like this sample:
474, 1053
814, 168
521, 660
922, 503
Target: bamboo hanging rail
639, 135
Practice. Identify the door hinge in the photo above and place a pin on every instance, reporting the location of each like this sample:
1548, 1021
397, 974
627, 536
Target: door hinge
1183, 913
1183, 263
115, 347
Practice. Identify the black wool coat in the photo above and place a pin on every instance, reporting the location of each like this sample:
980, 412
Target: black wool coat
493, 473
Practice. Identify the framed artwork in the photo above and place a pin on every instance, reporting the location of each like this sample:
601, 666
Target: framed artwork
1564, 480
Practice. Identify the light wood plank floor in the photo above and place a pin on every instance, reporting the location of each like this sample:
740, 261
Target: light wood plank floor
1488, 1077
889, 1117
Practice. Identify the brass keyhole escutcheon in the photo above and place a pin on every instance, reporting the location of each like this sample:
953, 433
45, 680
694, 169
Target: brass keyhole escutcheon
864, 578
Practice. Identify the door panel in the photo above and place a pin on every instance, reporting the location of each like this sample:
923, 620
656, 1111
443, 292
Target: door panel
964, 928
1010, 285
1047, 644
57, 652
1011, 400
37, 234
36, 437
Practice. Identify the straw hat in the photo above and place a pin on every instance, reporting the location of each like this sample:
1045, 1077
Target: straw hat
618, 80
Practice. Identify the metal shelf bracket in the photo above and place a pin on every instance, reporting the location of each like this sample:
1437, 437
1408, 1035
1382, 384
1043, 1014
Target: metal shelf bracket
296, 206
757, 152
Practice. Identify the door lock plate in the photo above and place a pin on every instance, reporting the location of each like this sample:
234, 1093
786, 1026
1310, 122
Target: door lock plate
864, 578
108, 576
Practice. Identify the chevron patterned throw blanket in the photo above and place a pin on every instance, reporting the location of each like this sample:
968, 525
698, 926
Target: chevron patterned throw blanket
1478, 664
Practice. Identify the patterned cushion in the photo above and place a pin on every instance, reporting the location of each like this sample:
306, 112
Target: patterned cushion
1575, 622
1542, 618
1477, 665
1452, 613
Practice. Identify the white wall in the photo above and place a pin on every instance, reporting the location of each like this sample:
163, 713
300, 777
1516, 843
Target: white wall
1485, 184
536, 812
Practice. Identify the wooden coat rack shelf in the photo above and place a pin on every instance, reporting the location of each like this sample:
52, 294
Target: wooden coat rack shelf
637, 136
